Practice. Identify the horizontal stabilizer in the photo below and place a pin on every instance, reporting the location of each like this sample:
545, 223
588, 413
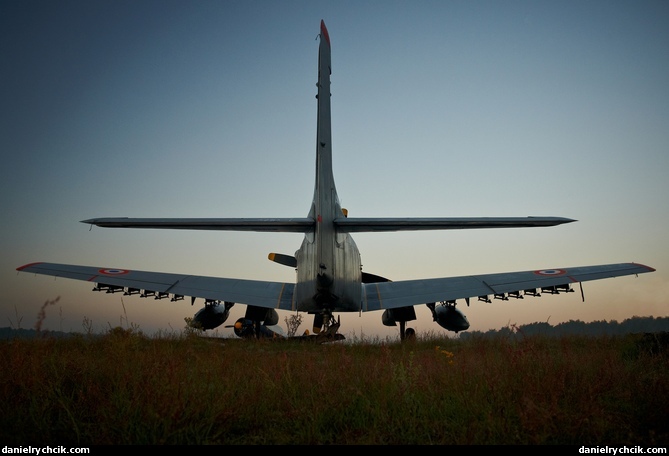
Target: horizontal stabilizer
289, 225
357, 225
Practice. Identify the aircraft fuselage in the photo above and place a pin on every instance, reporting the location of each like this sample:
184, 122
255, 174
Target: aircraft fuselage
329, 272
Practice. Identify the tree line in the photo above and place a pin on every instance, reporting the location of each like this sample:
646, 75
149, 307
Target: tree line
575, 327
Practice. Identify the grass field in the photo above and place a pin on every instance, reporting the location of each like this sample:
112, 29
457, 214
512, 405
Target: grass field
126, 388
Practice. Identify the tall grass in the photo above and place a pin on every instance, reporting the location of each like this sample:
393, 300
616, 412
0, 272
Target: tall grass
126, 388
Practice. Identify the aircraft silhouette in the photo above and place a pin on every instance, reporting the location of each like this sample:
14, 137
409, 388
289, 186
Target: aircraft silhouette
329, 273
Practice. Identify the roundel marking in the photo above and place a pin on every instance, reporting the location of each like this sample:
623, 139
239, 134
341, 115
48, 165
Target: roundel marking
113, 272
551, 272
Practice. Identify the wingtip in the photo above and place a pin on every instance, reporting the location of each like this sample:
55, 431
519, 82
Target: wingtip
650, 269
21, 268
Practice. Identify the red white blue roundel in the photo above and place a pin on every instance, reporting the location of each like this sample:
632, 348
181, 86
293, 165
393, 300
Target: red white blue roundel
551, 272
113, 272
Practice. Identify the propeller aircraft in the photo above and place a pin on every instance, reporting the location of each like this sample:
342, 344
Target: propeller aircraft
329, 275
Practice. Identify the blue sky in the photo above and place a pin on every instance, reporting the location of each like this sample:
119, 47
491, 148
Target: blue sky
207, 109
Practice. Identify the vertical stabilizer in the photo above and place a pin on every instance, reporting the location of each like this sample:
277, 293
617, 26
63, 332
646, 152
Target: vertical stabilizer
326, 204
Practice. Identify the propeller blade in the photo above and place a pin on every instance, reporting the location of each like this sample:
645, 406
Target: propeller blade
318, 323
286, 260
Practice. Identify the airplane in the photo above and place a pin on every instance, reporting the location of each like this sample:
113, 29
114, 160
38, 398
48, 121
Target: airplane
329, 275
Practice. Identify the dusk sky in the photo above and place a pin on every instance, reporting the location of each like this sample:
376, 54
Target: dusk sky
439, 109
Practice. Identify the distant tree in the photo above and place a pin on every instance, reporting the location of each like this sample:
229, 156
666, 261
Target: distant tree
193, 328
293, 323
41, 316
536, 328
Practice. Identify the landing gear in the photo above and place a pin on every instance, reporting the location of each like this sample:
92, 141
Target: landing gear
391, 317
326, 327
256, 328
406, 333
259, 316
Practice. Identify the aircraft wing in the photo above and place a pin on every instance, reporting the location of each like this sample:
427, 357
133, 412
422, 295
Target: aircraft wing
290, 225
389, 295
274, 295
353, 224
